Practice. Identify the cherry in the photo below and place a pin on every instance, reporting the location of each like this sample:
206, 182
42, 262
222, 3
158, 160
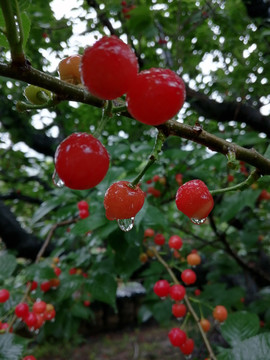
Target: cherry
83, 205
149, 233
49, 314
153, 191
162, 288
4, 295
220, 313
45, 286
39, 307
159, 239
156, 178
175, 242
179, 179
197, 292
33, 284
109, 68
54, 283
194, 200
29, 357
188, 276
30, 319
21, 310
230, 178
143, 258
5, 326
40, 321
193, 259
177, 292
83, 214
123, 201
188, 347
205, 324
57, 271
177, 336
72, 271
37, 95
69, 69
155, 96
81, 161
86, 303
264, 195
179, 310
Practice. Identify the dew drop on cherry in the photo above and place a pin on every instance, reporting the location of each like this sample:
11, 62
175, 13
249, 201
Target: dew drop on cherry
126, 224
57, 181
188, 357
198, 221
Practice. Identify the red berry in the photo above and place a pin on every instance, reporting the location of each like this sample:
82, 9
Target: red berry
156, 178
177, 337
149, 233
220, 313
57, 271
188, 276
122, 201
197, 292
179, 310
21, 310
83, 214
39, 307
159, 239
156, 96
81, 161
155, 192
193, 259
230, 178
194, 200
123, 3
86, 303
72, 271
69, 69
45, 286
109, 68
188, 347
5, 326
162, 288
83, 205
4, 295
29, 357
54, 283
177, 292
30, 319
49, 314
179, 179
264, 195
175, 242
34, 285
205, 324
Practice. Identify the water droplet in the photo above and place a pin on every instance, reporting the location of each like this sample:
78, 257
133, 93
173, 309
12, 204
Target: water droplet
188, 357
56, 180
198, 221
126, 224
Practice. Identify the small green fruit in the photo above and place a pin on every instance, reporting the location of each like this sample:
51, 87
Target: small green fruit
37, 95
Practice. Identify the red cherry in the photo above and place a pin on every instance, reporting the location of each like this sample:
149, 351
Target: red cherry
220, 313
123, 3
179, 179
40, 321
72, 271
83, 214
194, 200
81, 161
5, 326
83, 205
177, 337
4, 295
149, 233
179, 310
30, 319
197, 292
45, 286
153, 191
54, 283
159, 239
86, 303
230, 178
49, 314
156, 178
57, 271
188, 347
39, 307
34, 285
264, 195
156, 96
175, 242
188, 276
122, 201
21, 310
177, 292
109, 68
162, 288
29, 357
205, 324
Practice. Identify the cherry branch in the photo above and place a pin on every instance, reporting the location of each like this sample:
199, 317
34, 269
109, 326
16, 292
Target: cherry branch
187, 302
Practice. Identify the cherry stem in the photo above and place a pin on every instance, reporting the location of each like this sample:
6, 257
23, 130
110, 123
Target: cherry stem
253, 177
187, 302
161, 137
106, 115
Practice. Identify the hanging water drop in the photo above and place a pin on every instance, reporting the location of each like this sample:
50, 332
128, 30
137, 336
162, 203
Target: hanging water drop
126, 224
56, 180
198, 221
188, 357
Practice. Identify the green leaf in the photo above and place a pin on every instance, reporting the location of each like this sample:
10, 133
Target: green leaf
80, 311
46, 207
103, 288
26, 25
7, 265
239, 326
9, 350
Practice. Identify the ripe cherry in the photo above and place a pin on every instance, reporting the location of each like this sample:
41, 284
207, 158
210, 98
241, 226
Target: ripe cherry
177, 337
54, 283
188, 276
69, 69
83, 214
81, 161
33, 284
40, 321
175, 242
57, 271
179, 179
153, 191
29, 357
30, 319
197, 292
123, 201
179, 310
162, 288
194, 200
177, 292
4, 295
109, 68
156, 96
159, 239
39, 307
21, 310
49, 314
149, 233
205, 324
45, 286
5, 326
83, 205
86, 303
193, 259
72, 271
220, 313
188, 347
